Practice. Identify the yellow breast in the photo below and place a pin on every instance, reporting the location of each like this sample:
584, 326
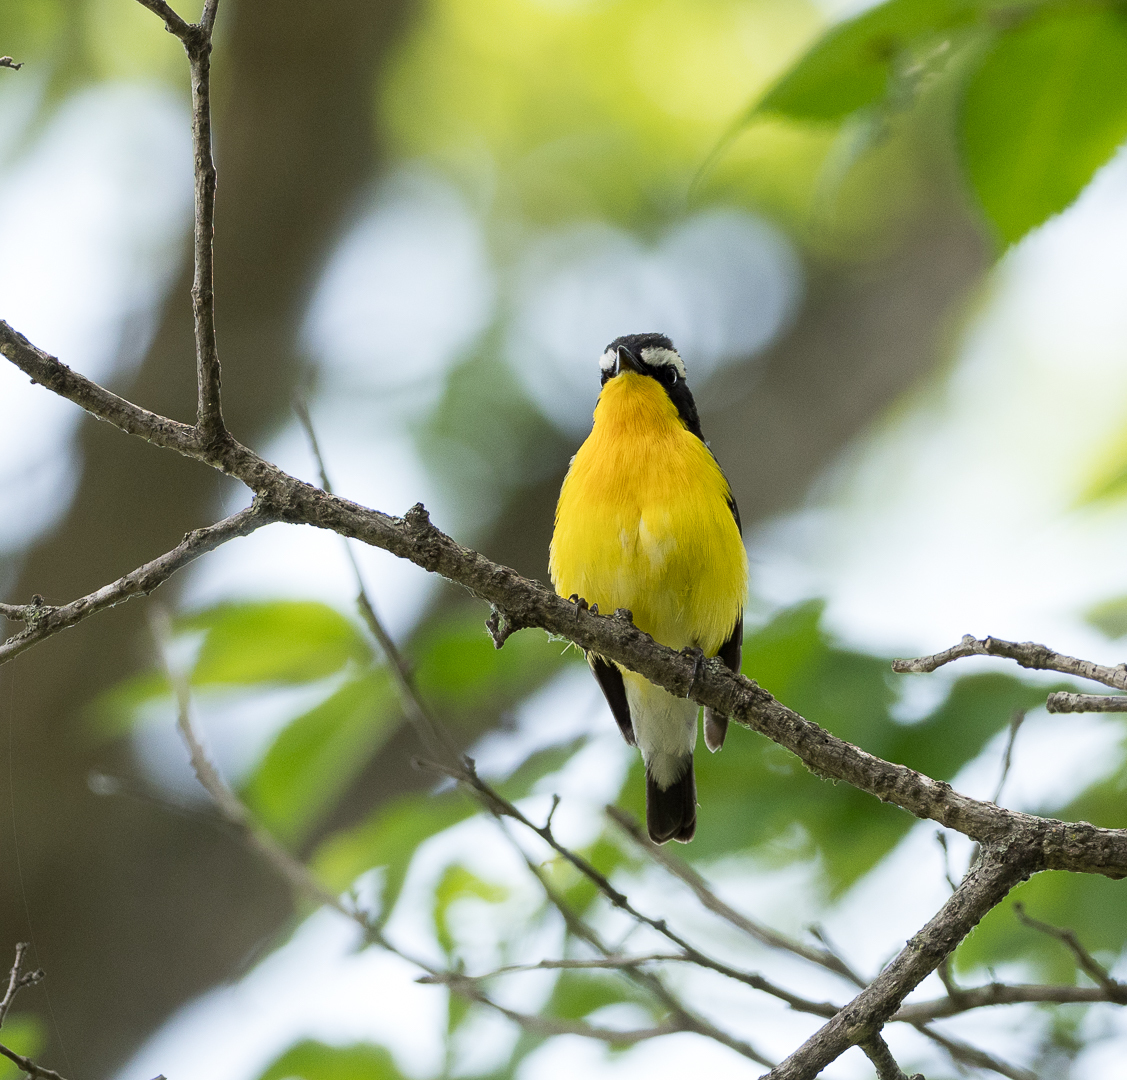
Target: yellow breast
644, 523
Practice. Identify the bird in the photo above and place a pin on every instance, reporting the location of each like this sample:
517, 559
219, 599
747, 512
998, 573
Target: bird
646, 521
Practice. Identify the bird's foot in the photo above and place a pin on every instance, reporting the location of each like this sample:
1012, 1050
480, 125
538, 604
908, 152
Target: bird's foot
582, 605
697, 653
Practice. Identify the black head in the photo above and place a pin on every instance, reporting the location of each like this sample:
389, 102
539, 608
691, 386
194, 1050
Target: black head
653, 355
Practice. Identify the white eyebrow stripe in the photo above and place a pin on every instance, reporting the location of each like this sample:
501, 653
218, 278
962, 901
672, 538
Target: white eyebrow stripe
657, 357
608, 360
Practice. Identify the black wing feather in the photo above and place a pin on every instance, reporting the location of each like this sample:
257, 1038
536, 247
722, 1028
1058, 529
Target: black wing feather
614, 690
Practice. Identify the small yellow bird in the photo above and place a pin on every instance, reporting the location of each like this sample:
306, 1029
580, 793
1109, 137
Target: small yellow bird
646, 521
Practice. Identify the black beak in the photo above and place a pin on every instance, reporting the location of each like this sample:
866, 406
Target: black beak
627, 361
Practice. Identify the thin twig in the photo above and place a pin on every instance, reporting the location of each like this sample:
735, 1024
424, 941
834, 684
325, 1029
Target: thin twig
1116, 990
304, 883
941, 840
824, 957
979, 997
970, 1055
433, 735
44, 620
647, 980
226, 801
17, 980
1063, 702
8, 62
1016, 720
608, 963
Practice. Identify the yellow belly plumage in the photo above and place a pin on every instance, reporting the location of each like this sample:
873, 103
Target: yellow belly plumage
644, 522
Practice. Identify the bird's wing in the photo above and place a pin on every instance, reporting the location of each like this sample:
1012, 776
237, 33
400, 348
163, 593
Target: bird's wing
610, 681
731, 653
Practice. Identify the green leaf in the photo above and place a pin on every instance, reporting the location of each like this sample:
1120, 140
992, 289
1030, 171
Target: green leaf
460, 671
310, 1060
1046, 108
317, 755
388, 839
23, 1033
579, 993
115, 711
283, 641
853, 64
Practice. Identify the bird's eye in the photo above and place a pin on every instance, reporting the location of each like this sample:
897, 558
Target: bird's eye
669, 375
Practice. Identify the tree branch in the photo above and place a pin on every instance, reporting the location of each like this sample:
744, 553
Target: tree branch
1026, 653
44, 620
999, 869
1063, 702
196, 39
877, 1051
8, 62
1075, 846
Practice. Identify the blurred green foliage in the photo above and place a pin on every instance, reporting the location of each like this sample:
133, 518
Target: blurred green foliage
25, 1034
1042, 101
756, 799
551, 113
311, 1060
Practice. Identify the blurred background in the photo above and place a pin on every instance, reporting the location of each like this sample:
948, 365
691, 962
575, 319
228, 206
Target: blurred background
432, 216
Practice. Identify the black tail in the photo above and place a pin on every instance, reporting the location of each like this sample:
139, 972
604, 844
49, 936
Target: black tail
671, 813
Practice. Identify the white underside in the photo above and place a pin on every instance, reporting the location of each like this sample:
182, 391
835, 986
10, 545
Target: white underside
665, 727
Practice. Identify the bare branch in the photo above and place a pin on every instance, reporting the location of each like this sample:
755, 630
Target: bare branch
8, 62
606, 963
764, 934
291, 869
984, 886
196, 39
44, 620
209, 409
877, 1051
1026, 653
17, 980
541, 1025
46, 370
1115, 990
1063, 702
